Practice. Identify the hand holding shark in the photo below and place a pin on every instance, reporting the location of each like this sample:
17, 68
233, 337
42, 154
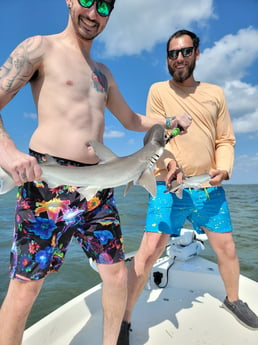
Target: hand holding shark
194, 182
112, 171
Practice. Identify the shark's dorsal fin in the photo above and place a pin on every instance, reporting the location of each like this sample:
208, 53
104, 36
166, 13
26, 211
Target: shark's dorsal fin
88, 192
104, 153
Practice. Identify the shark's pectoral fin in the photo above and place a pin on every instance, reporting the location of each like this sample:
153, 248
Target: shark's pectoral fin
88, 192
128, 186
176, 188
179, 193
147, 180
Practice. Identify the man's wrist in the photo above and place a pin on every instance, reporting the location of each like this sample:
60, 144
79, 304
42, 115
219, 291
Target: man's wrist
169, 122
171, 162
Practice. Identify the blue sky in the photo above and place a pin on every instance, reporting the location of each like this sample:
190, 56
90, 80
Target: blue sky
133, 47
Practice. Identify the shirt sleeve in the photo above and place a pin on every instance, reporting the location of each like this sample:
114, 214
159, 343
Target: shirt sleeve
225, 138
154, 106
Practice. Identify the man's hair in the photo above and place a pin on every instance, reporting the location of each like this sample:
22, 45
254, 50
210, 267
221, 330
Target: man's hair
179, 33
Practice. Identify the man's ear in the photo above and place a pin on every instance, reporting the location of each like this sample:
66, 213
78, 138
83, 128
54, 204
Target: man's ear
197, 53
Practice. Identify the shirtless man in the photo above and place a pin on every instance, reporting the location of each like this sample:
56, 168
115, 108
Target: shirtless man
71, 92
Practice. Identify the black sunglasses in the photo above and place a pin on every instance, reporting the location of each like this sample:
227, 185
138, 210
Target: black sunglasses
104, 8
173, 54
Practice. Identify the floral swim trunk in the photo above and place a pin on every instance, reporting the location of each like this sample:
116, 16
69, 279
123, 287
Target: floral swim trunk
47, 219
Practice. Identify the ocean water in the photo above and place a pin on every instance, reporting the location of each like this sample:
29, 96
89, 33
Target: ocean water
76, 275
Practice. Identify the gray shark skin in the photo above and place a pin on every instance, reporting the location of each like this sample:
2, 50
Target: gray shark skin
194, 182
112, 171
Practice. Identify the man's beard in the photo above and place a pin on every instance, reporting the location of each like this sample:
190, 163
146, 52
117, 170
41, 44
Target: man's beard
86, 36
179, 76
81, 33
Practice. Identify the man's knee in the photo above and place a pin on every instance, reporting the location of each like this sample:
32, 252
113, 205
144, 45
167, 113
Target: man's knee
22, 294
229, 250
114, 273
223, 245
151, 248
154, 243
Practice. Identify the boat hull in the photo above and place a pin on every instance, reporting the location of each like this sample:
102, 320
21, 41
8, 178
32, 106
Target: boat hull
187, 311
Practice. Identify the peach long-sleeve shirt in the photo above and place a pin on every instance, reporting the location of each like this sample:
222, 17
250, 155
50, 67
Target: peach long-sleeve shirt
209, 142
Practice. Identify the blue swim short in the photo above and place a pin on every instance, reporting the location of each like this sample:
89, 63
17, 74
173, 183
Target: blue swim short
205, 207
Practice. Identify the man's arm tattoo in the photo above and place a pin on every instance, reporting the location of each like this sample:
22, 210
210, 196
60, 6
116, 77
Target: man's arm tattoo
20, 66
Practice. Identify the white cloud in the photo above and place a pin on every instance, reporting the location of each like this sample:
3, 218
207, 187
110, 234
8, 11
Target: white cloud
243, 105
229, 58
113, 134
32, 116
246, 164
237, 93
226, 64
138, 25
246, 123
131, 141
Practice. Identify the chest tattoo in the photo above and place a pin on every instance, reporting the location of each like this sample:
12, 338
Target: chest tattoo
99, 81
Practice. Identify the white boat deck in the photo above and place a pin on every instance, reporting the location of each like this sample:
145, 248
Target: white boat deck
187, 311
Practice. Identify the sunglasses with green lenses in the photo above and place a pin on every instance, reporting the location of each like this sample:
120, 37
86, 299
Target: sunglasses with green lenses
104, 8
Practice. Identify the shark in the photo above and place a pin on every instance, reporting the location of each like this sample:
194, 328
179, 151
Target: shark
194, 182
111, 171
